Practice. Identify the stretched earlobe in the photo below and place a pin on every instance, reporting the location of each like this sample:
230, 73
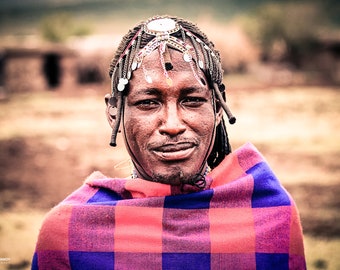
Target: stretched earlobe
111, 109
113, 115
218, 91
219, 116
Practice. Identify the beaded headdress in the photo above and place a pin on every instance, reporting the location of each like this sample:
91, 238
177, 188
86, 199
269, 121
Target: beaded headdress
161, 33
161, 29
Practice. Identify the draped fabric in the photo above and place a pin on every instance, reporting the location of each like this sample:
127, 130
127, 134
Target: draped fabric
244, 219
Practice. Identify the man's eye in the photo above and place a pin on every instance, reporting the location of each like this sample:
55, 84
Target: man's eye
193, 101
146, 104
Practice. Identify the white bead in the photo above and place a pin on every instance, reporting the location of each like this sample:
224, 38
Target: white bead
187, 57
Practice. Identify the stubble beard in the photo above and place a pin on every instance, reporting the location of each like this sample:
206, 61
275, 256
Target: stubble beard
175, 177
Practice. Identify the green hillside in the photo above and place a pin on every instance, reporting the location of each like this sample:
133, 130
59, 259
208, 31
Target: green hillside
23, 17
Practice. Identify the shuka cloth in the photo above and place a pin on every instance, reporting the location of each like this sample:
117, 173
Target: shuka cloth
244, 219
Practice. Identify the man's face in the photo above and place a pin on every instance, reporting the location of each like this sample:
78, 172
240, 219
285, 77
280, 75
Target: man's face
168, 129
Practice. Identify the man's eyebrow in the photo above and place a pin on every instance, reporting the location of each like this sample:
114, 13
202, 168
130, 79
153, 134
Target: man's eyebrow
191, 90
155, 91
148, 91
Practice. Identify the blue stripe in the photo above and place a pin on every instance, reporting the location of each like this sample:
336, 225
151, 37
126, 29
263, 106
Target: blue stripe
277, 261
104, 197
196, 200
81, 260
34, 265
186, 261
268, 192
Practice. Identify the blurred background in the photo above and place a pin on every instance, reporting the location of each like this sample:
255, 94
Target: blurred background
282, 71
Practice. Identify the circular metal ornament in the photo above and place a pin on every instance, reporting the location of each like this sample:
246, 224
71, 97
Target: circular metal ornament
161, 25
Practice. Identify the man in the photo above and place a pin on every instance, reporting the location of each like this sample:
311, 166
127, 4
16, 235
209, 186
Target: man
191, 203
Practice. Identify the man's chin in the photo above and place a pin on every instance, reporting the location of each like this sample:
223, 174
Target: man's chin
172, 176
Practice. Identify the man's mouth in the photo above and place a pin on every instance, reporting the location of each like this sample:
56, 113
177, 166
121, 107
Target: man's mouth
175, 151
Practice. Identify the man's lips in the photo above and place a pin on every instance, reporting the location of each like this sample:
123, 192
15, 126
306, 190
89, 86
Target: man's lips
175, 151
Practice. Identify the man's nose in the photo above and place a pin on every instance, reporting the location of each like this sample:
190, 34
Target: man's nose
172, 122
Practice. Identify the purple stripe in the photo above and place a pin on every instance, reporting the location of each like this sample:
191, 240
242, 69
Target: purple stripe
272, 227
53, 259
233, 261
186, 231
138, 261
91, 228
236, 194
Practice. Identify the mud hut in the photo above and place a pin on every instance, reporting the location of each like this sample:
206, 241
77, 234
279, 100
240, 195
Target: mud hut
33, 69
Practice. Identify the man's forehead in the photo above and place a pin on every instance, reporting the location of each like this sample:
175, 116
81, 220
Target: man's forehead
152, 61
151, 76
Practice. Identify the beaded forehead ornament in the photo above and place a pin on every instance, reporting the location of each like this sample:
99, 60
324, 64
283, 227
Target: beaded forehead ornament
162, 33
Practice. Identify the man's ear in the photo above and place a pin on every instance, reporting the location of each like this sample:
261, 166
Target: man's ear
111, 109
219, 113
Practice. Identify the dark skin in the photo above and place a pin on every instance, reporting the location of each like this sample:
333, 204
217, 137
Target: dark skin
168, 128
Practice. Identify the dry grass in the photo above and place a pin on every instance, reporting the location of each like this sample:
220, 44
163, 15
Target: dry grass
296, 127
18, 233
322, 253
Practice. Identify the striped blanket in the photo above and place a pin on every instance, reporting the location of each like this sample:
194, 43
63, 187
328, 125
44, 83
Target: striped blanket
244, 219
